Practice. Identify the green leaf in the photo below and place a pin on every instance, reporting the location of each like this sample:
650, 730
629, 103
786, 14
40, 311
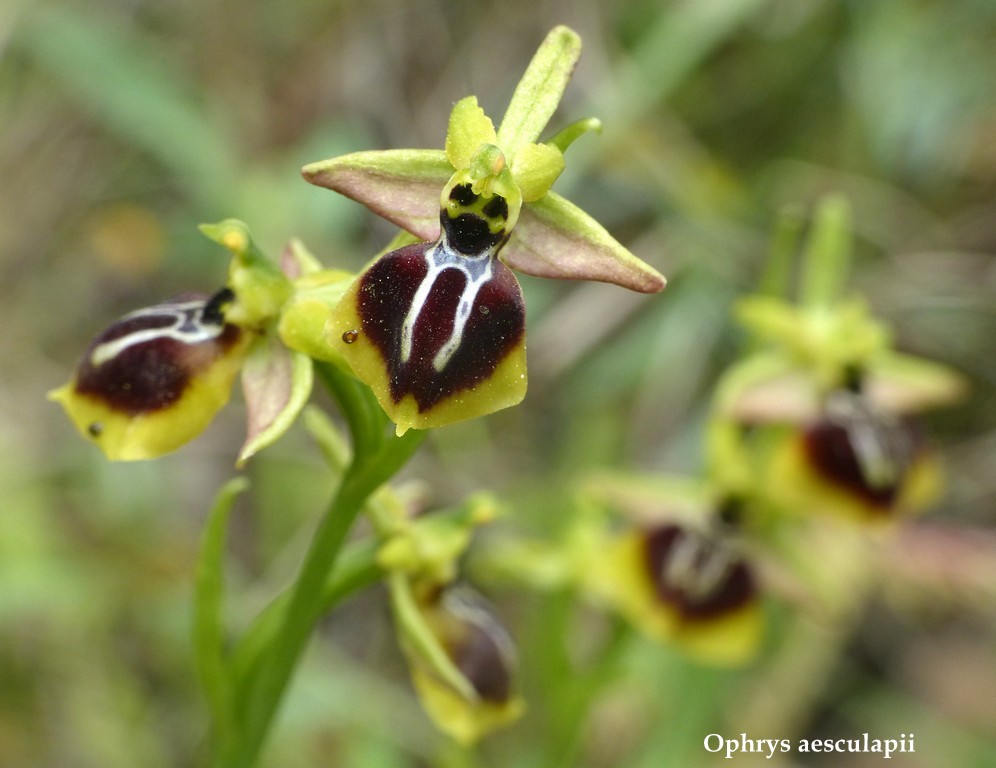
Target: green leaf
276, 383
209, 590
555, 238
539, 91
402, 185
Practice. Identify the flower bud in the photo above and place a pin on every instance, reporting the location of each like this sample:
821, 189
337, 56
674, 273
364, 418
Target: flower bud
471, 691
156, 377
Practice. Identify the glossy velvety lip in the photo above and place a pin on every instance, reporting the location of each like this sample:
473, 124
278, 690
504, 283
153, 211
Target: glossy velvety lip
861, 449
146, 360
440, 326
697, 576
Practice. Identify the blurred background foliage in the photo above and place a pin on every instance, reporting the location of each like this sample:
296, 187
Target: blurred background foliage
125, 123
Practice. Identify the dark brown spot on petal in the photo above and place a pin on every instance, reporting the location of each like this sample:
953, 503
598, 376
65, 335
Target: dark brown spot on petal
496, 208
469, 233
698, 576
214, 310
463, 194
350, 336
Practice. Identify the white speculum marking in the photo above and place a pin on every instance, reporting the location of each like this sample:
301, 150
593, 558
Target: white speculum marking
695, 566
477, 270
187, 328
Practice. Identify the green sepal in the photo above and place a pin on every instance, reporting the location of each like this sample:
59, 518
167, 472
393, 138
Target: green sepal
276, 383
425, 628
401, 185
906, 384
827, 256
538, 93
555, 238
418, 639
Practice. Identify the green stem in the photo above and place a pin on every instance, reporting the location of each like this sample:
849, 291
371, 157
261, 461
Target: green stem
581, 691
376, 458
356, 569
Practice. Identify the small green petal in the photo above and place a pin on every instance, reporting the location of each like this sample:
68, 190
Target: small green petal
555, 238
401, 185
539, 91
486, 165
567, 136
535, 168
469, 128
276, 383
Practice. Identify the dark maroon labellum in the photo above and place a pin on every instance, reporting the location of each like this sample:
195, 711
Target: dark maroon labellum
697, 575
482, 649
861, 449
146, 359
441, 320
479, 659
